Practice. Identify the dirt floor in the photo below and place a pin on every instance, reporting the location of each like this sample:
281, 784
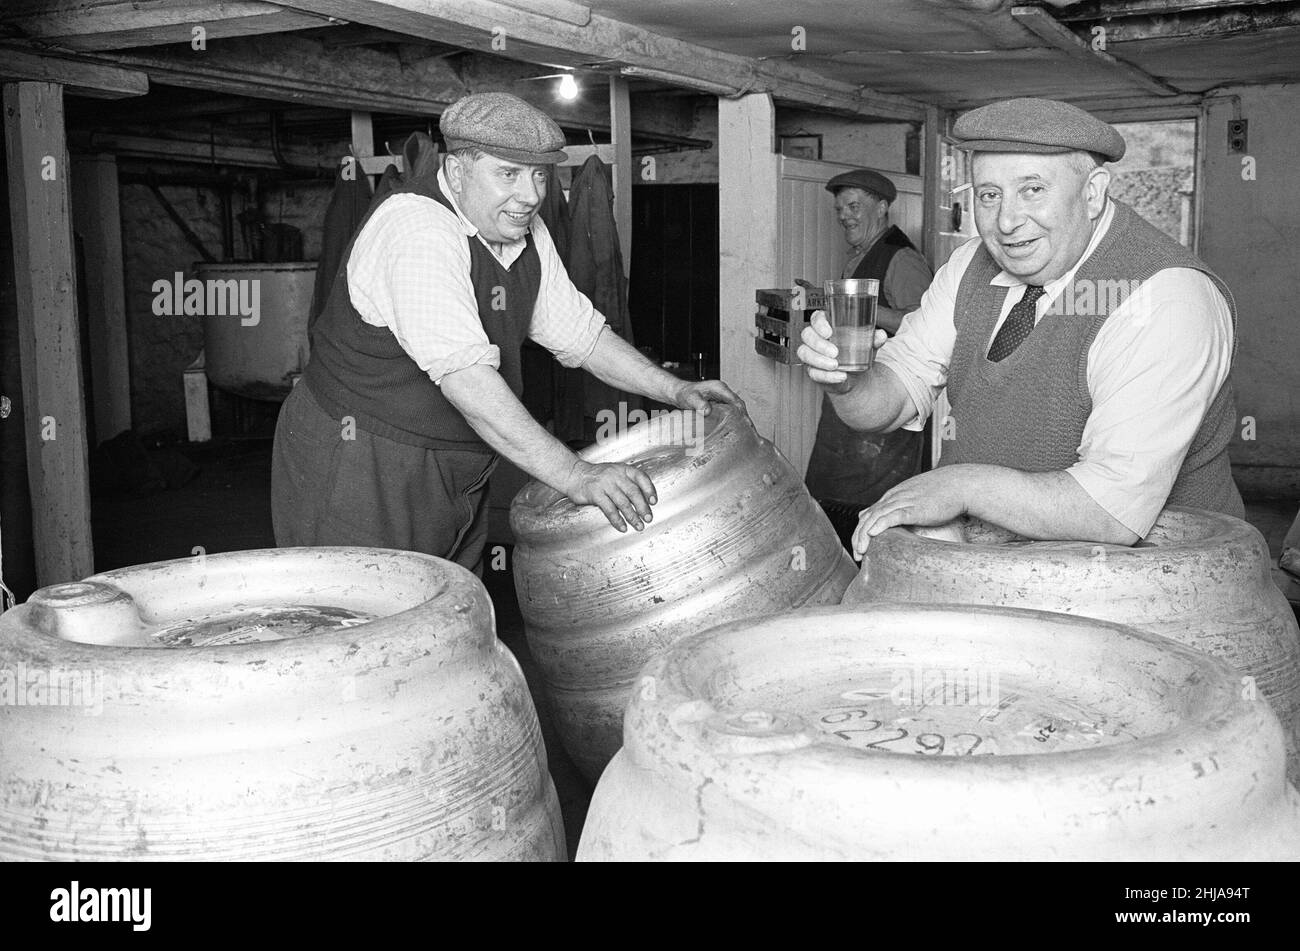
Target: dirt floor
226, 507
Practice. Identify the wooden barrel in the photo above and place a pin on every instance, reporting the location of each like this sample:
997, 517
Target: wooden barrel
296, 704
1200, 578
887, 732
735, 534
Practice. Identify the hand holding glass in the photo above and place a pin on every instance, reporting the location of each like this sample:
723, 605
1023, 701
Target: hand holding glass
851, 312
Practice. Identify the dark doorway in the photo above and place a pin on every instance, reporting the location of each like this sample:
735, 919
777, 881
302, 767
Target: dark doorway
673, 292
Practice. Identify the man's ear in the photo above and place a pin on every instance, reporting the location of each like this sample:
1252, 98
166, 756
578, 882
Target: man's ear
1096, 186
455, 170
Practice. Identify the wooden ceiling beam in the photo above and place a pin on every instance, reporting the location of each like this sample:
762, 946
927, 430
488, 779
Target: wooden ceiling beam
1202, 25
96, 80
496, 27
1043, 25
1103, 9
86, 25
297, 71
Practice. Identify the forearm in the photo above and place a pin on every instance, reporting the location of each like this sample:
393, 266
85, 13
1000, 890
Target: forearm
889, 318
622, 366
874, 401
494, 412
1040, 505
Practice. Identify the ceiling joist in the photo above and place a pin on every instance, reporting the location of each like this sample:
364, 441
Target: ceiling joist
496, 27
297, 70
100, 81
83, 25
1043, 25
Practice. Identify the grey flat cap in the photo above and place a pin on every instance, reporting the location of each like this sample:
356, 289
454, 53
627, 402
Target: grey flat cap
502, 125
869, 181
1036, 125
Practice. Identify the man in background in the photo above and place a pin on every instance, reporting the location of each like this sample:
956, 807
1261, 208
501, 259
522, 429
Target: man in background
850, 469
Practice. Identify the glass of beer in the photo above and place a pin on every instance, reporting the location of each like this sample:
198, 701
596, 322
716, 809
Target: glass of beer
851, 310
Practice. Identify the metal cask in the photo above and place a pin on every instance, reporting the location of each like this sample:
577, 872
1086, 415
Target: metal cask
1200, 578
898, 732
297, 704
735, 534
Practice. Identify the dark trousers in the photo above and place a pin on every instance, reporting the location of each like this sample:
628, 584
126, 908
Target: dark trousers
371, 491
850, 470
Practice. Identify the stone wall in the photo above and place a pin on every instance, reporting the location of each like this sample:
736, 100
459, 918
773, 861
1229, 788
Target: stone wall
1163, 196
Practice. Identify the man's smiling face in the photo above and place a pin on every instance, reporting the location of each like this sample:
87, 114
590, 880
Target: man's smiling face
1036, 212
861, 214
499, 197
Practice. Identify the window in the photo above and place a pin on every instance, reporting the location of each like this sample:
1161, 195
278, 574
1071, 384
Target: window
1157, 175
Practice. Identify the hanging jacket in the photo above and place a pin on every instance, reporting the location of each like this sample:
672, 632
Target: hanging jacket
348, 205
595, 260
595, 265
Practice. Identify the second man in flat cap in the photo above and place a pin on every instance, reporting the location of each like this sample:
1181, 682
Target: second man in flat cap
412, 389
850, 469
1086, 355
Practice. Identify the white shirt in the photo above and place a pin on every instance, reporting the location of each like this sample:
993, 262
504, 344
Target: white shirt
409, 271
1153, 370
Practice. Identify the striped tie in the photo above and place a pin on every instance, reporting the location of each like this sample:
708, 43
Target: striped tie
1017, 326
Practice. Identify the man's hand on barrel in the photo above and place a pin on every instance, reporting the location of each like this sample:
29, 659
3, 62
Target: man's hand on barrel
931, 498
623, 492
818, 354
701, 395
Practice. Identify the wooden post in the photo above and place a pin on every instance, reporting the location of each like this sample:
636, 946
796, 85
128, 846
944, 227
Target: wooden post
749, 218
932, 222
96, 217
620, 130
931, 183
49, 342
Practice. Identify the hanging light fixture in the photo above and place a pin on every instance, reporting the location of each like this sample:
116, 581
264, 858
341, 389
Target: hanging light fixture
568, 88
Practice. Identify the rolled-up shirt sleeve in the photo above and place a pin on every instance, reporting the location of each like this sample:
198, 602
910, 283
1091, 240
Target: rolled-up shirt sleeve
1156, 366
906, 279
919, 354
564, 320
409, 271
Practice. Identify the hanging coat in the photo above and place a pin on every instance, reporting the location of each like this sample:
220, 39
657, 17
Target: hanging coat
595, 265
348, 205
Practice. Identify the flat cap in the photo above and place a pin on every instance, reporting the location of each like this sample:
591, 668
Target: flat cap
502, 125
1036, 125
869, 181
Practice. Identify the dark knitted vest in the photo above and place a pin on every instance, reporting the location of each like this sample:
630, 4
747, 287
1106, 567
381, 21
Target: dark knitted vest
360, 370
875, 263
1028, 411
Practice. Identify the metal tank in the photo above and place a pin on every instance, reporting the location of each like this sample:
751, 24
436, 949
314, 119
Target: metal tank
735, 534
258, 352
300, 704
941, 733
1200, 578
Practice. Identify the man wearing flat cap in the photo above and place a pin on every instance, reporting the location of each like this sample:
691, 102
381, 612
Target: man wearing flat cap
413, 385
849, 469
1085, 353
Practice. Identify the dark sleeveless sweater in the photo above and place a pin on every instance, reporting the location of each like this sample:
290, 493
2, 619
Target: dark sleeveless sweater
875, 263
360, 370
1028, 411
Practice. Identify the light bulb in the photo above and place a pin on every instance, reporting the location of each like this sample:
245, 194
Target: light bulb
568, 87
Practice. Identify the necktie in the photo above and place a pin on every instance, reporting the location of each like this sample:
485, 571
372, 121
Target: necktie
1017, 326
